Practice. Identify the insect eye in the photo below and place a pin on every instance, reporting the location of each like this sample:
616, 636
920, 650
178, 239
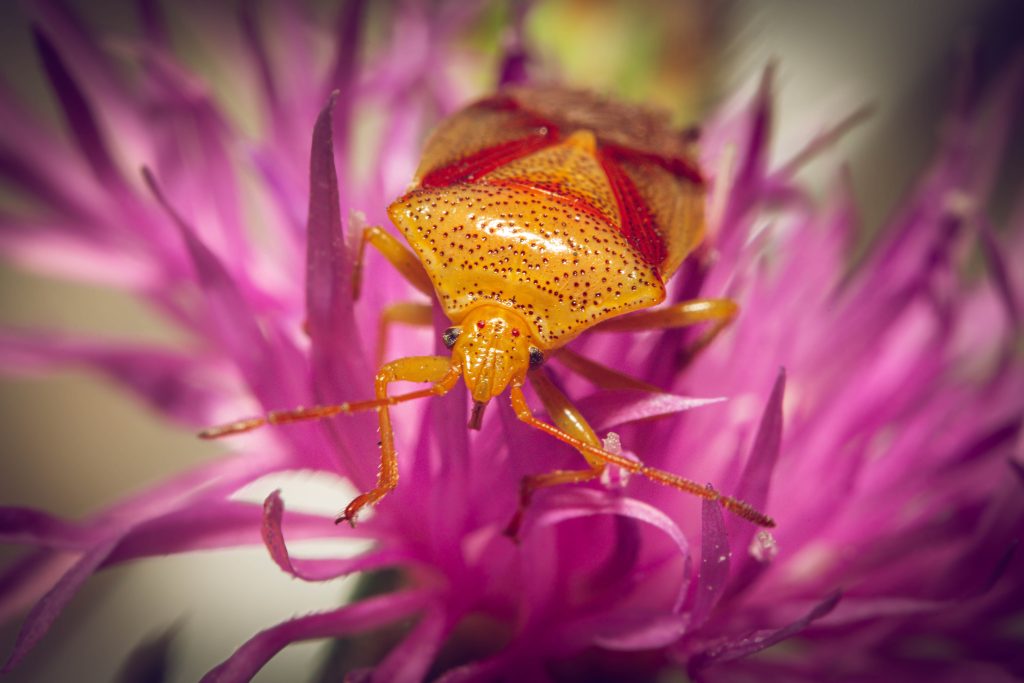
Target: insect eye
449, 336
536, 357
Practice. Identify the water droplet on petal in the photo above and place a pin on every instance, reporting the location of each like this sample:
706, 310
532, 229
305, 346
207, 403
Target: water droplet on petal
614, 476
612, 443
763, 547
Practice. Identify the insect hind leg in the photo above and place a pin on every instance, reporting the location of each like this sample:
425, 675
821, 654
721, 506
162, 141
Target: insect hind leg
532, 483
598, 374
719, 313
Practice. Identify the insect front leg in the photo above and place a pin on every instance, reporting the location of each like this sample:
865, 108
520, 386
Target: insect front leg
404, 261
718, 312
436, 369
305, 414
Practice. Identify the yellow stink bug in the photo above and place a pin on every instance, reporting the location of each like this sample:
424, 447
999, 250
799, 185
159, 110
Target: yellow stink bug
536, 215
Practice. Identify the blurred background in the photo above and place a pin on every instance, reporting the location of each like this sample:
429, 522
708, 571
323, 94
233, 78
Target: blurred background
72, 444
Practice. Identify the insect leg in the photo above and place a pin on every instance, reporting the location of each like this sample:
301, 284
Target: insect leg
569, 420
719, 312
404, 261
529, 485
562, 411
405, 312
600, 375
303, 414
592, 453
436, 369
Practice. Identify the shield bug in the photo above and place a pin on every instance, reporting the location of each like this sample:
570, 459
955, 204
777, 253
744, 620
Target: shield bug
536, 215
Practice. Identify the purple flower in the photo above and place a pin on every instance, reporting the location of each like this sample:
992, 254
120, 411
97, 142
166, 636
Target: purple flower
887, 449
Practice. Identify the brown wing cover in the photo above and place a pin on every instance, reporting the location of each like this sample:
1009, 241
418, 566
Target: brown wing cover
649, 162
677, 206
493, 122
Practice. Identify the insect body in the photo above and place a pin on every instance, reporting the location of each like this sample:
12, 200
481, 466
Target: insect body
537, 215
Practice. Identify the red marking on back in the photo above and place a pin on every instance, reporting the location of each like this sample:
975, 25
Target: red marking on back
557, 191
480, 163
674, 165
499, 102
472, 167
638, 225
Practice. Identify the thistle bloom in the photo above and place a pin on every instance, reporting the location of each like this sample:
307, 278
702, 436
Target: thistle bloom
874, 410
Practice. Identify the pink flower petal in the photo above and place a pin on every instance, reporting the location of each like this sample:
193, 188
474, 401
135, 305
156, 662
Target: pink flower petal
756, 478
714, 562
230, 318
50, 606
447, 417
756, 641
217, 479
1000, 275
329, 317
410, 660
29, 577
33, 527
640, 631
174, 383
752, 135
338, 361
30, 175
576, 503
152, 658
248, 18
608, 409
853, 610
136, 528
318, 569
344, 70
515, 60
821, 141
81, 48
206, 524
355, 618
47, 246
476, 672
194, 160
77, 112
988, 126
755, 481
